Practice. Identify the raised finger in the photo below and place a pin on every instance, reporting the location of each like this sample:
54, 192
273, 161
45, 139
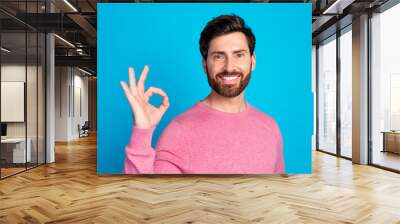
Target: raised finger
132, 81
126, 90
128, 94
142, 78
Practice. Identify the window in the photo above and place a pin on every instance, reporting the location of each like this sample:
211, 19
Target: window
327, 95
385, 88
346, 92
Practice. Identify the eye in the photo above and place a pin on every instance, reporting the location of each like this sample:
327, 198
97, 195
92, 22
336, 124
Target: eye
218, 56
240, 55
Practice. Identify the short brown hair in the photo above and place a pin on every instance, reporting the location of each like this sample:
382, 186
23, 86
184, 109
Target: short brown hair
225, 24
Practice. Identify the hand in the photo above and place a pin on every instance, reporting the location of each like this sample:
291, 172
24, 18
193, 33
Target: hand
145, 114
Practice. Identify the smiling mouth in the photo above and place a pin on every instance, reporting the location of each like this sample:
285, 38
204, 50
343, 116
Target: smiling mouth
229, 79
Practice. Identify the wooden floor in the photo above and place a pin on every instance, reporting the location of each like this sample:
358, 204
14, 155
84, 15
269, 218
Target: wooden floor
5, 172
387, 159
70, 191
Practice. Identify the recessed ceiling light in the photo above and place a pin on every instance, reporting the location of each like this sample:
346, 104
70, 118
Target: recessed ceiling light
64, 40
70, 5
337, 7
5, 50
84, 71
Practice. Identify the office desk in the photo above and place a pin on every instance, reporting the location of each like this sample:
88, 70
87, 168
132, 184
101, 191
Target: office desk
17, 150
391, 141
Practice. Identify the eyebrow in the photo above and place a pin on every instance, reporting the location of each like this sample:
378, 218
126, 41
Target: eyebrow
223, 52
217, 52
240, 51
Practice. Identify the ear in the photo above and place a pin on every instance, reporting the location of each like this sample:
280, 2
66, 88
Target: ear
204, 64
253, 61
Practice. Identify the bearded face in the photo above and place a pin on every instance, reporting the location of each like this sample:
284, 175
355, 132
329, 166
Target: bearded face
229, 84
229, 64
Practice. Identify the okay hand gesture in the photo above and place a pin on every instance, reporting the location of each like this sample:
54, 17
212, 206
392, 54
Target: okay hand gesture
145, 114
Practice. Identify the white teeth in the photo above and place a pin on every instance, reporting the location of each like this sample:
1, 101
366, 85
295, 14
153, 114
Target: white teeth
229, 77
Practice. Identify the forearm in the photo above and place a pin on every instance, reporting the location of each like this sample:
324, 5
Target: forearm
140, 155
167, 158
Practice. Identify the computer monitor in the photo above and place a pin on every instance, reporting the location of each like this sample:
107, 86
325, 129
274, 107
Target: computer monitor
3, 129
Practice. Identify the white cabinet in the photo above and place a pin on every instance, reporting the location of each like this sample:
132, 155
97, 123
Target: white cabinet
18, 149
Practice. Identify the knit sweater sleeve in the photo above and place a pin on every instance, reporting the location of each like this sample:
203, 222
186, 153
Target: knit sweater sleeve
167, 158
280, 163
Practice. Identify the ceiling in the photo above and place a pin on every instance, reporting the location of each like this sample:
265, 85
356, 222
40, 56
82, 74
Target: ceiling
76, 22
77, 25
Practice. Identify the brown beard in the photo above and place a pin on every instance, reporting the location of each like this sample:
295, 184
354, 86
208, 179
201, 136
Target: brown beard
229, 90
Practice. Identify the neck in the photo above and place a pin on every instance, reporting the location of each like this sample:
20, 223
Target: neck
226, 104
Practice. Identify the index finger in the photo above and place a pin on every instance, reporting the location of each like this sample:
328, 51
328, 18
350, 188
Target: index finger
132, 81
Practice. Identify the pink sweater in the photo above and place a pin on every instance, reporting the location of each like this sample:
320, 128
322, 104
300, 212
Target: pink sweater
204, 140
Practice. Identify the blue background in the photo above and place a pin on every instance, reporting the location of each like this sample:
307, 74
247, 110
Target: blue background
166, 36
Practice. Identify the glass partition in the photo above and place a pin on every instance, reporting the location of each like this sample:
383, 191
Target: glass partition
22, 77
327, 95
346, 92
13, 103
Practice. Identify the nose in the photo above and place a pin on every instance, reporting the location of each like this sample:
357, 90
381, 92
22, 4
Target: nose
229, 64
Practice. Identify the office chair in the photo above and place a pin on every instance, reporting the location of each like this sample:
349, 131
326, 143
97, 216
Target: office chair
84, 130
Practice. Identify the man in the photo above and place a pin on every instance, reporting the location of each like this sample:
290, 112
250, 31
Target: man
222, 134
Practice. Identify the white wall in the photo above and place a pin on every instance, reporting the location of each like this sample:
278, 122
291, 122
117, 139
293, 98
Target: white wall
80, 105
62, 81
12, 73
71, 93
12, 100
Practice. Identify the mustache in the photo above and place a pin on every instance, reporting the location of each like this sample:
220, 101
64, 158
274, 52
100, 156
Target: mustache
226, 73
